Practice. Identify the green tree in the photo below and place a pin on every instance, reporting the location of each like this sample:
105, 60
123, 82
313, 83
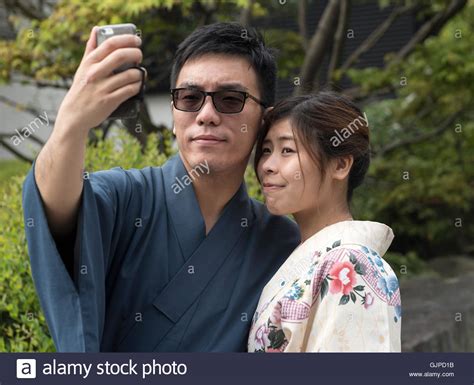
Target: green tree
48, 47
422, 177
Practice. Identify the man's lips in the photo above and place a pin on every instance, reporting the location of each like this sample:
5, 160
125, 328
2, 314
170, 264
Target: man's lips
208, 139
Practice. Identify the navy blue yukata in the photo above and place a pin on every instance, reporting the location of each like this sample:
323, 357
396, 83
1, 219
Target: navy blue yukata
145, 276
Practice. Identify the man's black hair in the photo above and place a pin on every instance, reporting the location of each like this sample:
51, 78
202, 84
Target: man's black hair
230, 39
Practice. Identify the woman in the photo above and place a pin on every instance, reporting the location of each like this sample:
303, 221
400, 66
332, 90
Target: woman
335, 292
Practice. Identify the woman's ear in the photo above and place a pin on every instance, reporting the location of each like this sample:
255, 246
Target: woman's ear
342, 167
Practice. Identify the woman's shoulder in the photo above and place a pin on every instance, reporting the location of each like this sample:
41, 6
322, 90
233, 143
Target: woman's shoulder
354, 273
374, 235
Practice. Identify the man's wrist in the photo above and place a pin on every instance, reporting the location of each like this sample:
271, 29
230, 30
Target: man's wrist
66, 131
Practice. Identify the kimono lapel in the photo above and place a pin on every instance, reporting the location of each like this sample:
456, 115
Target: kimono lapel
204, 255
183, 208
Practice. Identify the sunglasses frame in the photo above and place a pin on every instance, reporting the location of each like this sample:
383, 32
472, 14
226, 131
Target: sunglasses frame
245, 94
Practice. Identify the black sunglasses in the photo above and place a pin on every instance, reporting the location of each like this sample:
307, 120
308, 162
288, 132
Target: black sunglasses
225, 101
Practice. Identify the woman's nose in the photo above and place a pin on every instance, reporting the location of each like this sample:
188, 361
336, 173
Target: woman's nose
269, 165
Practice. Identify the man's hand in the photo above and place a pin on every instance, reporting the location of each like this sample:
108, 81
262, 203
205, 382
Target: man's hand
96, 91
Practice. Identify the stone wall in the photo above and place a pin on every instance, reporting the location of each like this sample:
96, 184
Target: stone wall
438, 310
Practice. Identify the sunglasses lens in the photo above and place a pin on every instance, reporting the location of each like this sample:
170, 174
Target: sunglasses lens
229, 102
188, 100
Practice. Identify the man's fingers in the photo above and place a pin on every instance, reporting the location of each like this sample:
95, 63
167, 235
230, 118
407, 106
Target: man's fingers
113, 44
116, 59
91, 43
125, 92
121, 79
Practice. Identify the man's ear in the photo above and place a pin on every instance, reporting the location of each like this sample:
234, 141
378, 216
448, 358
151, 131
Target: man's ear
174, 130
342, 167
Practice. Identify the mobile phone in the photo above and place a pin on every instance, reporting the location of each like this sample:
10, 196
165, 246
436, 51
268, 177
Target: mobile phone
130, 108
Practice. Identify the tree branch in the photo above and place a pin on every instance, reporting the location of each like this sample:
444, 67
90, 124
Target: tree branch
338, 38
41, 84
375, 36
318, 47
28, 10
246, 14
21, 107
302, 10
419, 138
13, 150
432, 26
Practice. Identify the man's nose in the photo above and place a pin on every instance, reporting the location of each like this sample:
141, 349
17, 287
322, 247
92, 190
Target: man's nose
208, 114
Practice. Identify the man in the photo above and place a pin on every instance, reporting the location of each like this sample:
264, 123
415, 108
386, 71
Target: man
189, 276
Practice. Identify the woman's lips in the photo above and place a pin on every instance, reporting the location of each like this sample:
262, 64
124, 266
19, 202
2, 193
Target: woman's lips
270, 187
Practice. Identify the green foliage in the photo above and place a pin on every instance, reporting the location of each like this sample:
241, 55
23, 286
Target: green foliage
439, 72
22, 323
290, 52
10, 168
51, 49
124, 150
421, 190
253, 187
421, 187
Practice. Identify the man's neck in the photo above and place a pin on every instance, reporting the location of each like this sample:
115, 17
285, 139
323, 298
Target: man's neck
214, 191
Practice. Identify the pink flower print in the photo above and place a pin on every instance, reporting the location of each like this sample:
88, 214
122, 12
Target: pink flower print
275, 318
260, 335
369, 300
343, 278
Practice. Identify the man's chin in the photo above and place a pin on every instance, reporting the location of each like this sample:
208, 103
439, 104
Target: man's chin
218, 162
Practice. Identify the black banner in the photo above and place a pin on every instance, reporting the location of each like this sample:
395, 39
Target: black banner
233, 368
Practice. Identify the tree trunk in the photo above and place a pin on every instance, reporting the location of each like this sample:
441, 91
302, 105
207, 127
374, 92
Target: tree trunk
318, 47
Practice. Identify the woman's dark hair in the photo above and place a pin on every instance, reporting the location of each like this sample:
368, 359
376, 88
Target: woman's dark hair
230, 39
329, 126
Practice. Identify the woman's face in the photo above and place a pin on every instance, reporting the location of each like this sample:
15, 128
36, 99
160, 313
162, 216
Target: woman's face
280, 171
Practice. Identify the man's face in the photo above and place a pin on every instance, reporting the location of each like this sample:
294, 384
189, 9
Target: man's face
224, 141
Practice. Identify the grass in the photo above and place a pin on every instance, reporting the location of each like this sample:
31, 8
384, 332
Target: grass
12, 168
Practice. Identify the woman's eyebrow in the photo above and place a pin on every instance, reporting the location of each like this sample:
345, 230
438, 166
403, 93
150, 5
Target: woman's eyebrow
285, 137
280, 139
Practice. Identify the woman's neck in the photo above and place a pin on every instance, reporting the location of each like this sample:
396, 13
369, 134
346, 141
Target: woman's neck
312, 221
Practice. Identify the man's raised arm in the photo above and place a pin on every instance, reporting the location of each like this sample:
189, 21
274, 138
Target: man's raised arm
95, 93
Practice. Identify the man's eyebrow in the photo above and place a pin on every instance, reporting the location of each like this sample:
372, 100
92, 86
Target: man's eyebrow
223, 86
231, 86
188, 85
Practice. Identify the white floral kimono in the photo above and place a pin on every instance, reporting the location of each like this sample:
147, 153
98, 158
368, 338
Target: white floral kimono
334, 293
